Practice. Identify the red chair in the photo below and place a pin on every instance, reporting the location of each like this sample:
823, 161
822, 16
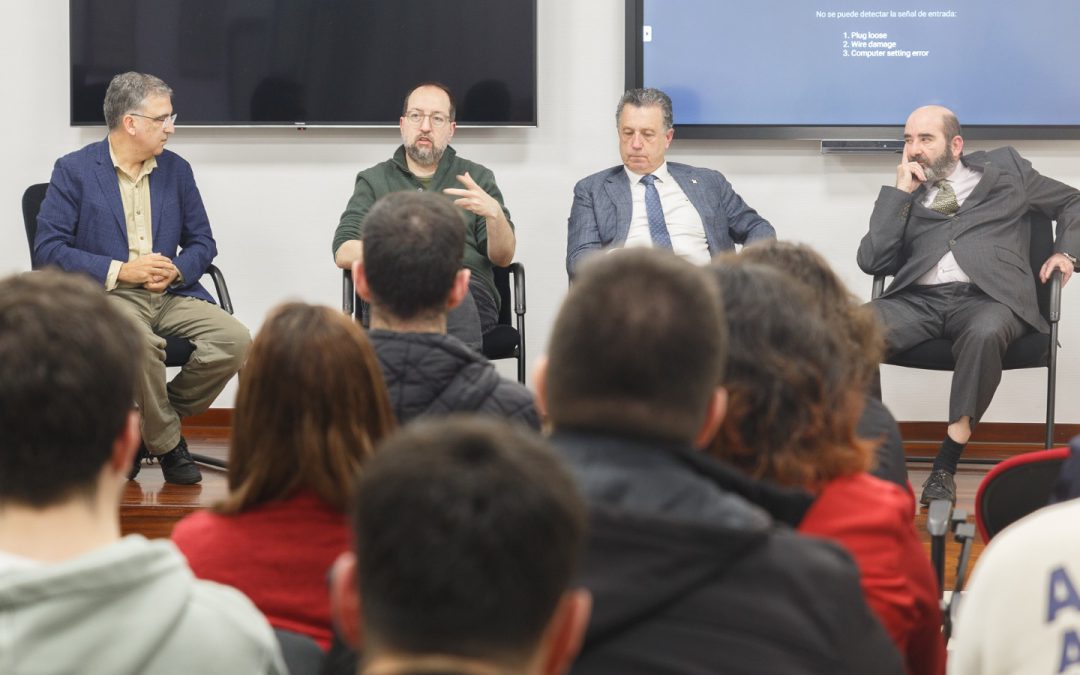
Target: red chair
1016, 487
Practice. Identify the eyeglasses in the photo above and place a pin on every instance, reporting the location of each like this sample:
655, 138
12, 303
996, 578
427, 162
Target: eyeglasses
166, 120
415, 117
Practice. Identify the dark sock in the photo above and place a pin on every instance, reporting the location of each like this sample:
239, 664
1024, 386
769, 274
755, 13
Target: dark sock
949, 455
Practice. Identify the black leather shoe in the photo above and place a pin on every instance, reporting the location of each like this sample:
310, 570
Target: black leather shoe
178, 467
939, 485
140, 454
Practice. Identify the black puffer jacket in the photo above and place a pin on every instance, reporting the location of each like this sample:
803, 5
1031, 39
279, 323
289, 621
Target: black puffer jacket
434, 374
692, 571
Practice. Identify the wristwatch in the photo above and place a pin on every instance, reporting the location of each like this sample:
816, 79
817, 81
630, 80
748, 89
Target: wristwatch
1070, 257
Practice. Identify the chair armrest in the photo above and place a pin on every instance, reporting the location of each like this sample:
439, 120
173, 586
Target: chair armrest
1055, 296
348, 293
878, 287
518, 271
224, 299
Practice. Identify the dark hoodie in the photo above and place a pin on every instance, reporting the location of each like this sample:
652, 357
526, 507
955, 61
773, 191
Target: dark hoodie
693, 569
435, 374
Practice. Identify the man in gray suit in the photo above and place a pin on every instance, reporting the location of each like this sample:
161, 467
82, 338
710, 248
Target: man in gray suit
954, 233
648, 201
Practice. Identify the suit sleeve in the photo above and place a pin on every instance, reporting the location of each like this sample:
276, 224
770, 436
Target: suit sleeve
745, 225
1055, 200
881, 249
350, 227
57, 224
582, 232
197, 246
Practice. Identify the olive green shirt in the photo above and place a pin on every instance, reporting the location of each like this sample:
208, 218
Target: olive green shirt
393, 175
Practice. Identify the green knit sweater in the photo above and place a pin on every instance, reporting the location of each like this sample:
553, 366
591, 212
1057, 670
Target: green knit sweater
393, 175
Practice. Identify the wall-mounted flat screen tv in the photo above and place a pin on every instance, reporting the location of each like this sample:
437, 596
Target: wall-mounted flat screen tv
856, 68
309, 62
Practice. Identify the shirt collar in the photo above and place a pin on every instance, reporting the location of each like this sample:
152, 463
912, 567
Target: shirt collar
661, 174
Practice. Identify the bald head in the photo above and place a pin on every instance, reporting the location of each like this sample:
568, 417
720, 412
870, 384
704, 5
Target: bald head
935, 115
932, 138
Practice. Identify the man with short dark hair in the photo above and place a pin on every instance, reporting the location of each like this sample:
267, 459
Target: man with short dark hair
75, 597
126, 212
955, 234
426, 162
689, 570
648, 201
412, 275
474, 572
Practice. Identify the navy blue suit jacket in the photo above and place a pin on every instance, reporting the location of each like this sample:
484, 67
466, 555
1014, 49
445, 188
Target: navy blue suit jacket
603, 206
81, 226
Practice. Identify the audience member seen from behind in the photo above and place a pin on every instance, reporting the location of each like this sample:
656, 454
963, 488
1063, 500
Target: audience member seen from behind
468, 534
310, 408
411, 273
792, 411
688, 569
75, 596
855, 324
1020, 612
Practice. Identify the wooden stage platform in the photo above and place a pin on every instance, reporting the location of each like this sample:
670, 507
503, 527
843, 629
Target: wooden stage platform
151, 507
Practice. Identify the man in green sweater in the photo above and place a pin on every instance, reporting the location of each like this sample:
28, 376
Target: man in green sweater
425, 161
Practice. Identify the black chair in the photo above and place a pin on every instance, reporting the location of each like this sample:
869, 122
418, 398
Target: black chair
1032, 350
177, 349
303, 656
506, 340
1020, 485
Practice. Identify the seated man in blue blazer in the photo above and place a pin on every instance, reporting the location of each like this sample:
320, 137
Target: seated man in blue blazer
651, 202
126, 212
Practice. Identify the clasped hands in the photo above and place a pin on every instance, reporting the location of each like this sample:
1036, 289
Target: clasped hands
152, 271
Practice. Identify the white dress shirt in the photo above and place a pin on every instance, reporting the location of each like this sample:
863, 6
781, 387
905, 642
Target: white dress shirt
963, 180
683, 221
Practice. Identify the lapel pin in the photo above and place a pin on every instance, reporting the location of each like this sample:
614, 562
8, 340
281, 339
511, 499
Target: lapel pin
694, 181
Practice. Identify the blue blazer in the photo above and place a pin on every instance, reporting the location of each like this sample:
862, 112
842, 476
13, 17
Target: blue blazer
600, 216
81, 226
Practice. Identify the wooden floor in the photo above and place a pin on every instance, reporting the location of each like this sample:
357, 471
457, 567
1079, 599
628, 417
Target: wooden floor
151, 507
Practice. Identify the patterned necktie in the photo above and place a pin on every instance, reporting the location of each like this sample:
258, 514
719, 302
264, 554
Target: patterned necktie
657, 226
945, 199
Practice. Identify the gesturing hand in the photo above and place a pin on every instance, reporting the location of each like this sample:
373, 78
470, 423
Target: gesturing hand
909, 174
473, 198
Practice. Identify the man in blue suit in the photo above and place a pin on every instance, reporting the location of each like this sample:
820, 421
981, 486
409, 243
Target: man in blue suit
126, 212
651, 202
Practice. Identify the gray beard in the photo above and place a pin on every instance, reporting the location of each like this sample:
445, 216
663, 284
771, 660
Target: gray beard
940, 168
424, 157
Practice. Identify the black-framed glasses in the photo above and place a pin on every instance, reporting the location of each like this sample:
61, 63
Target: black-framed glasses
415, 117
165, 120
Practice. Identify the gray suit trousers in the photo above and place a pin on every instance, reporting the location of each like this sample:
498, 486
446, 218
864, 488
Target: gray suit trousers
979, 327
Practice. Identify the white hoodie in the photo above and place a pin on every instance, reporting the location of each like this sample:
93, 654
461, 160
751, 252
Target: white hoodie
131, 607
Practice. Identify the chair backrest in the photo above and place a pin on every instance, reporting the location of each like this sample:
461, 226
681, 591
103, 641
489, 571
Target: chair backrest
31, 204
1016, 487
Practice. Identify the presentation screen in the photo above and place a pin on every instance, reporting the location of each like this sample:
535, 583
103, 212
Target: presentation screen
856, 68
309, 62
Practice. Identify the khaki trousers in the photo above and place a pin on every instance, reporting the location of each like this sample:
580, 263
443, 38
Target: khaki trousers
221, 344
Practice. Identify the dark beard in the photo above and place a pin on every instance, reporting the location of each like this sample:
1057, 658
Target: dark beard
940, 167
424, 157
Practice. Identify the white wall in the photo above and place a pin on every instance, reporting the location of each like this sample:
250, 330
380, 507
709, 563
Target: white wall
274, 196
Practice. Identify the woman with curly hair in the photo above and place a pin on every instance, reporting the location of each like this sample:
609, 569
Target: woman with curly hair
796, 384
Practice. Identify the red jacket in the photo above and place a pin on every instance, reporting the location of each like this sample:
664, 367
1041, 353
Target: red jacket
277, 554
873, 520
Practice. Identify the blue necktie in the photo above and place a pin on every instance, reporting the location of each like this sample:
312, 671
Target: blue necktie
657, 226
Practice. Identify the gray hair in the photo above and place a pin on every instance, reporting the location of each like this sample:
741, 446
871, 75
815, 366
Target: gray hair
644, 98
127, 92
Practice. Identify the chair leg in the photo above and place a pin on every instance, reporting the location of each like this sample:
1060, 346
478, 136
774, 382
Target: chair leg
211, 461
1051, 386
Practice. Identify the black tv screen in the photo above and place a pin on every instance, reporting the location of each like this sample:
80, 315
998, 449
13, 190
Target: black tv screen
309, 62
856, 68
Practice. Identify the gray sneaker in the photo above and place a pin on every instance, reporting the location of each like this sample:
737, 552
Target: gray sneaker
939, 485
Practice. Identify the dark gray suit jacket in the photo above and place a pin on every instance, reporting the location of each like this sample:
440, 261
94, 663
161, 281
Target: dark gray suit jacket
603, 206
989, 236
